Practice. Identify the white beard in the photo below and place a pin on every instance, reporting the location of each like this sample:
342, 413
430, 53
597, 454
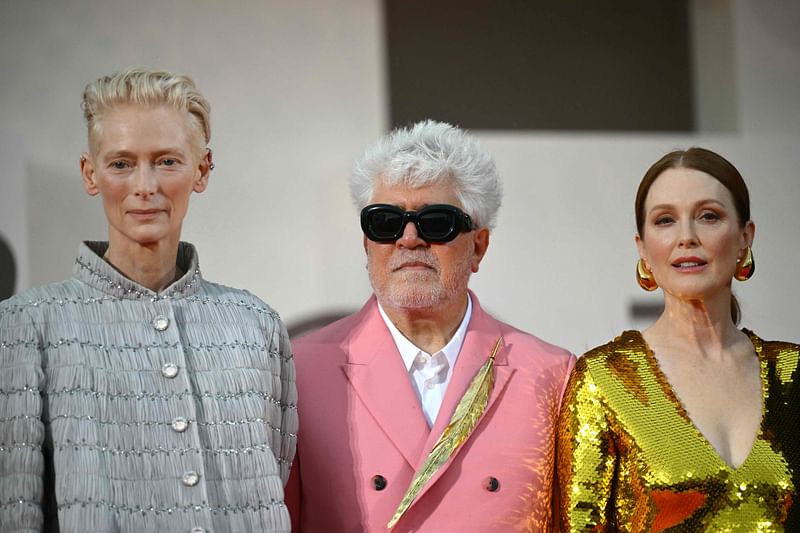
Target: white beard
418, 289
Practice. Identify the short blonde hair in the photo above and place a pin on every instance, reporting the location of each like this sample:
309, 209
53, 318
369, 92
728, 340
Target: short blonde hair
147, 87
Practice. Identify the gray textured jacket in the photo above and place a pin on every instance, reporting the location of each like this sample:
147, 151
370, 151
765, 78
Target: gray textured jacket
126, 410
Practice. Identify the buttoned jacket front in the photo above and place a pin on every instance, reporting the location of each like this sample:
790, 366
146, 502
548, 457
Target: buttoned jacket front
363, 433
122, 409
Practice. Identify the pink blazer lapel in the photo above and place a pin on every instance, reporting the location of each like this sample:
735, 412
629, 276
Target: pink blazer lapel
482, 334
379, 377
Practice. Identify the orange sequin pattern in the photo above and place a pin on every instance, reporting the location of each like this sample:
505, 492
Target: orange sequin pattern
630, 459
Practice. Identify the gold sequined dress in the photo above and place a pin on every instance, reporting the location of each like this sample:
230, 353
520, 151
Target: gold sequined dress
630, 458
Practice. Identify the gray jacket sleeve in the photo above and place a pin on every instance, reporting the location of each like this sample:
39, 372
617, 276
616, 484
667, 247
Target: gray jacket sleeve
21, 427
288, 403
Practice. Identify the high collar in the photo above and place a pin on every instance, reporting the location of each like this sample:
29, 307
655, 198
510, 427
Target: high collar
92, 269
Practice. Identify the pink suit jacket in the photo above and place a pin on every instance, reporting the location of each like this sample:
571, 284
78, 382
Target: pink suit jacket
362, 427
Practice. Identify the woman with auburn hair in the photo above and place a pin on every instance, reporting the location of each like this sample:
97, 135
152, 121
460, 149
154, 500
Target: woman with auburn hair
137, 396
691, 424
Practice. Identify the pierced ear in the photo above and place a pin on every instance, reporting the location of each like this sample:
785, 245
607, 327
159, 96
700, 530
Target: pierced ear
205, 167
749, 233
640, 248
88, 175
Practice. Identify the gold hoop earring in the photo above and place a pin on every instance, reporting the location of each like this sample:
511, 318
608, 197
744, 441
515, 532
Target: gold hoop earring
644, 277
746, 266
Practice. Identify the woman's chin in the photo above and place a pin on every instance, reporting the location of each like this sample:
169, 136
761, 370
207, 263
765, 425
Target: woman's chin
693, 292
151, 236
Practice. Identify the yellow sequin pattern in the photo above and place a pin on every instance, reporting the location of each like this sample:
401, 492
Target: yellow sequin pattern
630, 459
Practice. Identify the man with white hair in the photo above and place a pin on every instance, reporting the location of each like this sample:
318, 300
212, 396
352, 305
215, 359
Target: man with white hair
421, 412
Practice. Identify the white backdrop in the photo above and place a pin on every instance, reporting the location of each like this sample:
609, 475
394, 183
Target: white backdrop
298, 90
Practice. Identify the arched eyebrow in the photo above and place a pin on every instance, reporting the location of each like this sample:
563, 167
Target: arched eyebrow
699, 203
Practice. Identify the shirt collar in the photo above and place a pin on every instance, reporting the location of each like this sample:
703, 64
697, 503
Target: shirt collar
408, 350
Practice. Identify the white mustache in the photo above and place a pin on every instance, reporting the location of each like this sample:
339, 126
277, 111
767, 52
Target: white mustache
425, 257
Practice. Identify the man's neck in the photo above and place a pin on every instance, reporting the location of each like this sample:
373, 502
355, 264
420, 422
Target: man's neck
429, 329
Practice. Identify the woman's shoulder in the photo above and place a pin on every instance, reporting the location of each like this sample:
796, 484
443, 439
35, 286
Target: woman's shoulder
624, 344
625, 355
785, 354
241, 299
39, 298
772, 345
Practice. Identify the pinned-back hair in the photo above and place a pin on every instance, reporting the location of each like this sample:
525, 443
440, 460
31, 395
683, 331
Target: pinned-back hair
147, 87
704, 160
426, 153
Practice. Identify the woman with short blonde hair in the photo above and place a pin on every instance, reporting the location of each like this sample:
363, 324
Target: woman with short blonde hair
137, 396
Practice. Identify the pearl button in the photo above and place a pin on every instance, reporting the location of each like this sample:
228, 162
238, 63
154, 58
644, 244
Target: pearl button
198, 530
190, 479
161, 323
429, 385
169, 370
180, 424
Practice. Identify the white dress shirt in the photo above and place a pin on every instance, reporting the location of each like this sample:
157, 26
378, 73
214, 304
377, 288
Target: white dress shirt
430, 374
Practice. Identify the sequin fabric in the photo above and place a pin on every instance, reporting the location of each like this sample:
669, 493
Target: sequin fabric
122, 409
630, 459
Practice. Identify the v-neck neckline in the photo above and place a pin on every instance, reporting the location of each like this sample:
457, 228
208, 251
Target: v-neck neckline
666, 386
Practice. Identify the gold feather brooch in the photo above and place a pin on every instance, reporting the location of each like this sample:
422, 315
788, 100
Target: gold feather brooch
469, 410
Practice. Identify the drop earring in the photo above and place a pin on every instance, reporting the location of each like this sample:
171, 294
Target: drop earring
644, 277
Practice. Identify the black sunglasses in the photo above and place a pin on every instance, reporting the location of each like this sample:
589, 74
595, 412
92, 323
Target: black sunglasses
435, 223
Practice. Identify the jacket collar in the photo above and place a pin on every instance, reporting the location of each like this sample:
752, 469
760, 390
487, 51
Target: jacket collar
377, 373
93, 270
